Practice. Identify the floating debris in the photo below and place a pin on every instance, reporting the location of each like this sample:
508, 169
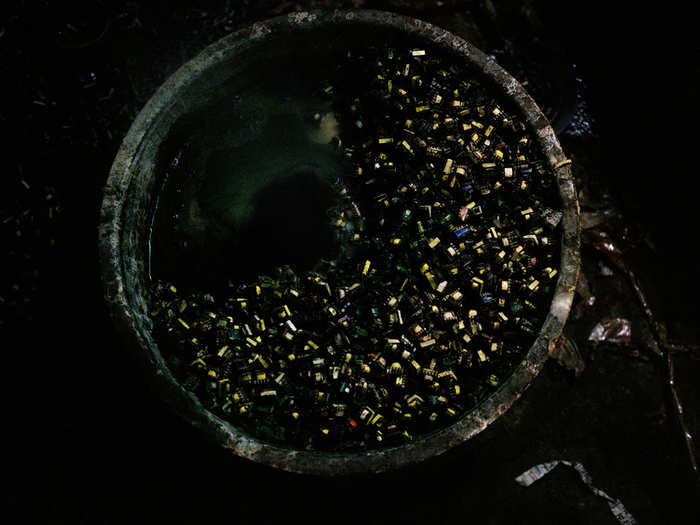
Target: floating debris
605, 271
615, 331
664, 348
537, 472
566, 352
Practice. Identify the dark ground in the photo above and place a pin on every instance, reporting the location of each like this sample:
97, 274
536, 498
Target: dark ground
89, 443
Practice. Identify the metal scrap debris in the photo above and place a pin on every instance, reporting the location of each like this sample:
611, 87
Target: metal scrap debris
537, 472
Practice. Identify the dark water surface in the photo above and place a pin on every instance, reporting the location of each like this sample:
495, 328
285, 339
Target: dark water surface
237, 204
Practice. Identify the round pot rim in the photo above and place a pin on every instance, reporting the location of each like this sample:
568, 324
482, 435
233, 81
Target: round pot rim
113, 266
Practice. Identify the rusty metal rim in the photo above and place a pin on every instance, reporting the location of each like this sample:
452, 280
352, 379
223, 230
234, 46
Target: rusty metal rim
114, 263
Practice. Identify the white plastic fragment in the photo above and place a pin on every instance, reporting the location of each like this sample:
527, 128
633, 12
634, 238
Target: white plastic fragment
616, 330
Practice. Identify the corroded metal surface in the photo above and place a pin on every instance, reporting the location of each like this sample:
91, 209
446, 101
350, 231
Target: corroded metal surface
127, 204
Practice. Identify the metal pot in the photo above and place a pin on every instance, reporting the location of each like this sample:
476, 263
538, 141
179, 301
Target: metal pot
132, 187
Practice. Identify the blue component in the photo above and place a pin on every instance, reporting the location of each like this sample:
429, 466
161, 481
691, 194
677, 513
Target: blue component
462, 231
468, 187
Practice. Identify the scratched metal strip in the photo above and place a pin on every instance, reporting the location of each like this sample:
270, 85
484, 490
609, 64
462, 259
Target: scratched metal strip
531, 475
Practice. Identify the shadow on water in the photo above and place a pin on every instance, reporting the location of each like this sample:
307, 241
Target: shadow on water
240, 205
289, 225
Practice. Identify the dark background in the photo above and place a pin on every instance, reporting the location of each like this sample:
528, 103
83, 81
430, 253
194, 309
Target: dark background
90, 443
